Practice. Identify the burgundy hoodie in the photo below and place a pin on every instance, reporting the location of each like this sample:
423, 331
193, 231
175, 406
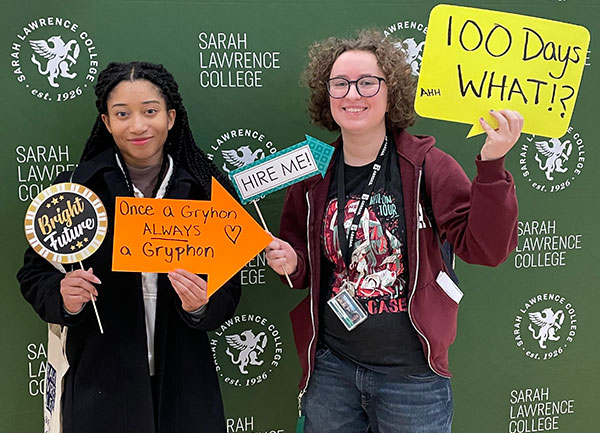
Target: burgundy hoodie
479, 218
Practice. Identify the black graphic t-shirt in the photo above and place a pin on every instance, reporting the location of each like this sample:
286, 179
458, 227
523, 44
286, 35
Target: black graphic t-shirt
377, 276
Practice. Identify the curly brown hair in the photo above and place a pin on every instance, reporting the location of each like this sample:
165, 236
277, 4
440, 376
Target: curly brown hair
397, 73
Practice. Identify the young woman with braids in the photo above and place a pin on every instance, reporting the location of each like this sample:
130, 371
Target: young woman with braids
389, 373
152, 370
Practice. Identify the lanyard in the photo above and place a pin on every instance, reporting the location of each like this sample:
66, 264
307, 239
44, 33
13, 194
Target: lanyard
346, 243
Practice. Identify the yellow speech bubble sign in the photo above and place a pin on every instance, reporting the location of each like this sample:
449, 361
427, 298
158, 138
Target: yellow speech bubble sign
476, 60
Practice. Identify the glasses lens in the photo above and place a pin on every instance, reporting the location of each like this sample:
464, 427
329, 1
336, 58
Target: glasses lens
368, 86
338, 87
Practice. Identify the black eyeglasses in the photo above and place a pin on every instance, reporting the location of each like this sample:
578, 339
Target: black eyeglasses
366, 87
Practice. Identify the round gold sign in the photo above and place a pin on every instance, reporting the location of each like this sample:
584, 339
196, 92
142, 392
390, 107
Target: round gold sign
65, 223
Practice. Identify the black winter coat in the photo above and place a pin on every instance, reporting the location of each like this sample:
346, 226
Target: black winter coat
107, 388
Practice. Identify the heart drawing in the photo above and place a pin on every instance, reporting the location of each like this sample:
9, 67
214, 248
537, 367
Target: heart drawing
233, 232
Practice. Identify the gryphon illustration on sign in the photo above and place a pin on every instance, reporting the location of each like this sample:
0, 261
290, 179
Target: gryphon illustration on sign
60, 57
548, 322
556, 153
250, 347
241, 156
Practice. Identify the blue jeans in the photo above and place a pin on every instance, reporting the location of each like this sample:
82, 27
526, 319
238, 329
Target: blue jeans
343, 397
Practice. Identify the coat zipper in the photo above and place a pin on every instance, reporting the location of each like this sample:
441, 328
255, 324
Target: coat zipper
312, 313
415, 283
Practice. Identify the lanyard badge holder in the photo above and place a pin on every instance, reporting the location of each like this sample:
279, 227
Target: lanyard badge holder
344, 304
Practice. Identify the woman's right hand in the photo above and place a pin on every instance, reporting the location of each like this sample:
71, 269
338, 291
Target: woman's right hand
76, 289
281, 257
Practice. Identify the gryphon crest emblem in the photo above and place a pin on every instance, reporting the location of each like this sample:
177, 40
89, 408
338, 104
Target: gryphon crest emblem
413, 53
241, 157
556, 153
250, 347
548, 323
61, 56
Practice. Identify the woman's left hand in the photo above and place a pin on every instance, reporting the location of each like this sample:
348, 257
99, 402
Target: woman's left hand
190, 288
500, 141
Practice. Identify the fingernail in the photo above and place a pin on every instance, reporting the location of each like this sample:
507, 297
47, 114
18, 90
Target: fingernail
481, 119
96, 279
491, 111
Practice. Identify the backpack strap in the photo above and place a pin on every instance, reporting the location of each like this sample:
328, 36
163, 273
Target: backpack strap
446, 248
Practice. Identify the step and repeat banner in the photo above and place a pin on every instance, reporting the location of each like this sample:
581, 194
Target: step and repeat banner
525, 357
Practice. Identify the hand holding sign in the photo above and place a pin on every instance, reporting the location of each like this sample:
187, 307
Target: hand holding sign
499, 141
476, 60
66, 223
281, 257
191, 289
77, 288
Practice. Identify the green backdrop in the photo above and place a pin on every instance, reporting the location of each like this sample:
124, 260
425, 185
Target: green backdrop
504, 380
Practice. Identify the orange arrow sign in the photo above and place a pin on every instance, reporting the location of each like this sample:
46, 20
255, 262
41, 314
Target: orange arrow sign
216, 237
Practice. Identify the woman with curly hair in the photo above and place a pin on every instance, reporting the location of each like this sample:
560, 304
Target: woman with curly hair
374, 331
152, 369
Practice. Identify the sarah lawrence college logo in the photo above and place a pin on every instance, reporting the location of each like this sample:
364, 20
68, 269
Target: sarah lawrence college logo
241, 156
412, 34
54, 59
246, 349
413, 53
239, 147
60, 57
249, 347
546, 325
551, 164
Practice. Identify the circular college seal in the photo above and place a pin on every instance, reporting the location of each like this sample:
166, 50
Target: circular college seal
54, 58
545, 326
246, 349
551, 164
65, 223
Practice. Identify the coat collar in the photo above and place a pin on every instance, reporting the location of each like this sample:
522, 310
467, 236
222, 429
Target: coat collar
411, 148
105, 165
101, 163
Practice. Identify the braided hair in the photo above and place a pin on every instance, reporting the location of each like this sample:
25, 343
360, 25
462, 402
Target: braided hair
180, 142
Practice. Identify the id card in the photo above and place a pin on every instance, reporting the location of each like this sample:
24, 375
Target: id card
348, 310
448, 286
